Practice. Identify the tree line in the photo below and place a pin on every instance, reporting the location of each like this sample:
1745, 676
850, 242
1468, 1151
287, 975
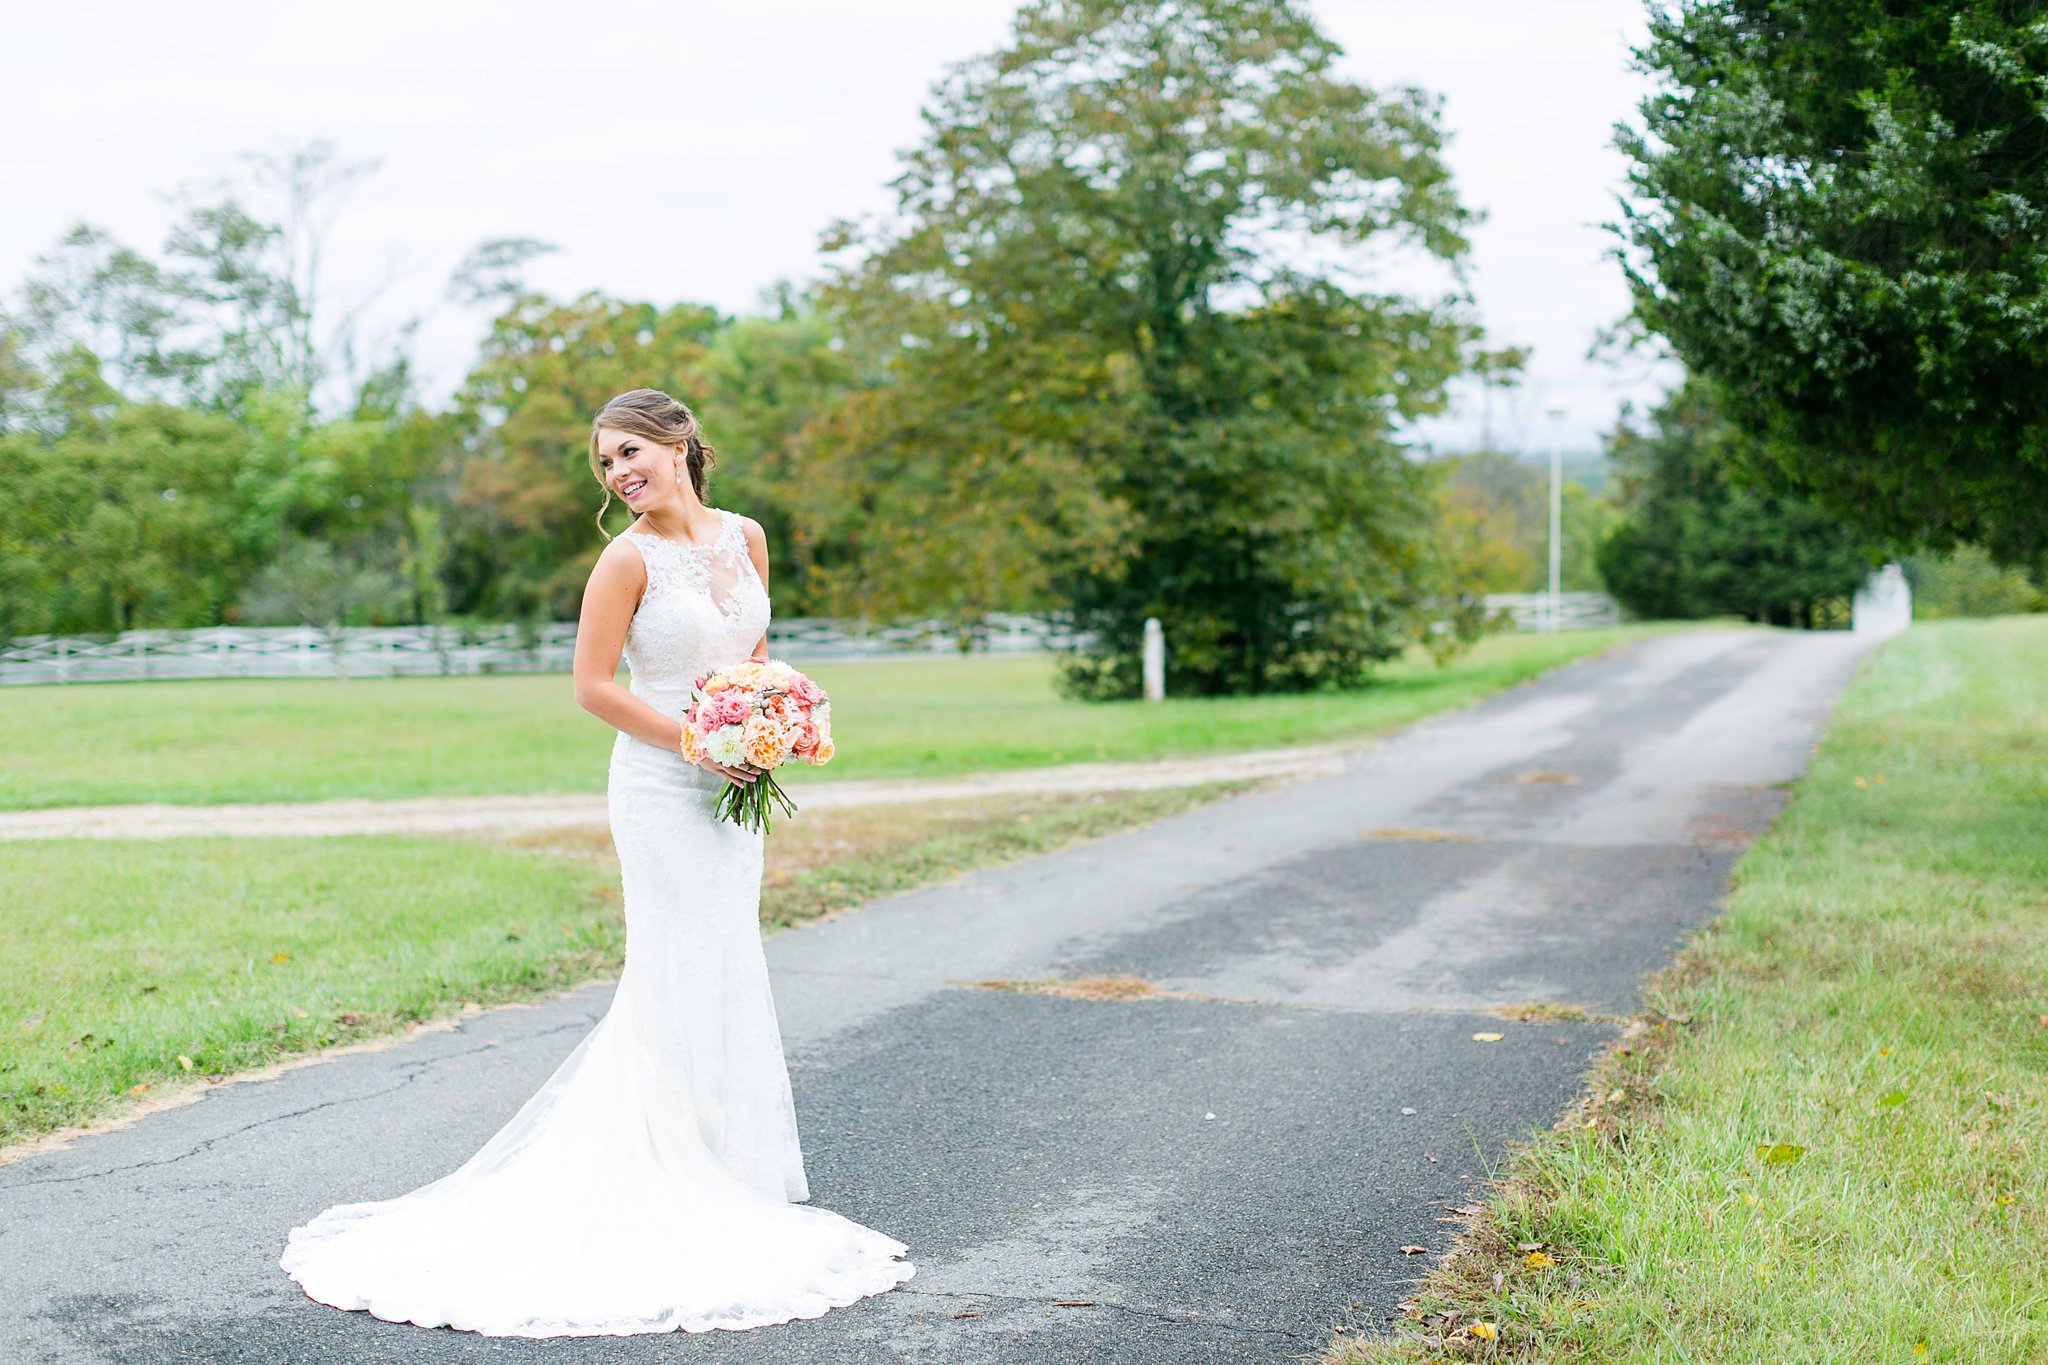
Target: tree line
1084, 366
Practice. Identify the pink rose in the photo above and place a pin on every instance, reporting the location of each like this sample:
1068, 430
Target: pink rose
806, 737
732, 707
805, 692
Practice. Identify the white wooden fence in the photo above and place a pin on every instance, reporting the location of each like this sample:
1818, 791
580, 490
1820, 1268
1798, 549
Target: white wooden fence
1567, 611
393, 651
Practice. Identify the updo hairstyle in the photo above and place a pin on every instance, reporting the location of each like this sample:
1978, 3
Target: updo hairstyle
660, 418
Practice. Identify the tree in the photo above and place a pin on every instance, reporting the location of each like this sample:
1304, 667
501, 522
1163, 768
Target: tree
1116, 379
523, 543
767, 381
232, 307
1693, 543
1495, 524
124, 523
1841, 220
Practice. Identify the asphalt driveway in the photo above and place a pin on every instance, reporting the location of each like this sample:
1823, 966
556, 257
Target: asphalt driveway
1223, 1174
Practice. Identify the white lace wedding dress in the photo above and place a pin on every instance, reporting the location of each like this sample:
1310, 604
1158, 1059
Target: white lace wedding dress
648, 1185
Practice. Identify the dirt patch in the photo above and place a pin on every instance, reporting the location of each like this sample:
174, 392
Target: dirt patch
1542, 1012
1117, 987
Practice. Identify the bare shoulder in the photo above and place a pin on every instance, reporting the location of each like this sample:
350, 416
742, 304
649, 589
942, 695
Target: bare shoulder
757, 539
620, 564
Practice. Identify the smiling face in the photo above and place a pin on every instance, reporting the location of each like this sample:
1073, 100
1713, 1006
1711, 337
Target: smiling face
641, 473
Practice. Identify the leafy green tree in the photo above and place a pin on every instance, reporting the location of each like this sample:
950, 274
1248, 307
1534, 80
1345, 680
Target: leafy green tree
231, 308
1694, 543
1841, 219
1495, 520
522, 543
124, 524
1116, 379
767, 381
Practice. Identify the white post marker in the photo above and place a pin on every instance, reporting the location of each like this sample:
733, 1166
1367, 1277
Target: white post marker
1556, 605
1155, 660
1883, 606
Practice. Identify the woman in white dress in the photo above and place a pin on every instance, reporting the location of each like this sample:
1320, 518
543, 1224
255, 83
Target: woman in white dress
651, 1183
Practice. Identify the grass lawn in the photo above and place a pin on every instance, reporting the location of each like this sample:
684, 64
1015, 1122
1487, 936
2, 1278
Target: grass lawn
1829, 1140
130, 968
294, 740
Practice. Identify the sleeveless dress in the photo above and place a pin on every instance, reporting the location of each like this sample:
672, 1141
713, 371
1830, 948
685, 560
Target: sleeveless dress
648, 1186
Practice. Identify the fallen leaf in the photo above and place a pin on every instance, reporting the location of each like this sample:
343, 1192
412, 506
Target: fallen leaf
1414, 1251
138, 1089
1861, 783
1530, 1246
1919, 1350
280, 957
1536, 1260
1483, 1330
1780, 1153
184, 1062
1487, 1037
958, 1316
1893, 1100
1616, 1096
299, 1012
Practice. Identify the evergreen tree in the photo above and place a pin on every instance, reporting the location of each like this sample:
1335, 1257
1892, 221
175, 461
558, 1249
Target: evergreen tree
1693, 543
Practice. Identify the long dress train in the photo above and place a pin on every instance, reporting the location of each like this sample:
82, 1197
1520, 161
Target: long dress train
648, 1186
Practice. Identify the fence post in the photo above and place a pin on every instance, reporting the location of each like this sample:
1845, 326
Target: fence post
1155, 660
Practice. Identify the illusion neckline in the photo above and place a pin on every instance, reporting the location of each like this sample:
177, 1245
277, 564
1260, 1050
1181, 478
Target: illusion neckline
724, 525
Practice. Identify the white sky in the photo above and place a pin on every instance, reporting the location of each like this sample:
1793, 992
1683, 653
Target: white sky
685, 150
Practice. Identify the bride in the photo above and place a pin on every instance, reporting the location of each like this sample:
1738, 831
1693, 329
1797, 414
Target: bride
652, 1183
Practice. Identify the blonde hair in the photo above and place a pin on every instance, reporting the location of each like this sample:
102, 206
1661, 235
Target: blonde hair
658, 417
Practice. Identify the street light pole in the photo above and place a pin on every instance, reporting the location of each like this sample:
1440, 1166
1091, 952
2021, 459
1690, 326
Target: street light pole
1556, 603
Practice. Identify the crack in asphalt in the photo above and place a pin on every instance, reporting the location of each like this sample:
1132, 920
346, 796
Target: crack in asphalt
413, 1071
1185, 1319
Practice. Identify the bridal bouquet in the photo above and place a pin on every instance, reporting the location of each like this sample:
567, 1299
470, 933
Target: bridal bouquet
757, 714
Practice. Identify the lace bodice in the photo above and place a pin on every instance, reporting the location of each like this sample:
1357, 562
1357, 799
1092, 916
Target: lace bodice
704, 608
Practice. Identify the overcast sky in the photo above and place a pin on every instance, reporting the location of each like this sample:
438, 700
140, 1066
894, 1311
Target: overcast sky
685, 150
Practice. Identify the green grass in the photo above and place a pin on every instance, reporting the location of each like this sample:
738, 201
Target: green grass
1829, 1141
122, 958
279, 740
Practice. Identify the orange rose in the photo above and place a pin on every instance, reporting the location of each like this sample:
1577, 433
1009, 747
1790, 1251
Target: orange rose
822, 754
763, 740
693, 745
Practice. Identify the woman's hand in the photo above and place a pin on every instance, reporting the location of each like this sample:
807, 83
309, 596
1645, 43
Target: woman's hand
743, 776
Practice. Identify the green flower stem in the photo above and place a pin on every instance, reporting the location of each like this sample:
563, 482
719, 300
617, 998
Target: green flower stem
746, 804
